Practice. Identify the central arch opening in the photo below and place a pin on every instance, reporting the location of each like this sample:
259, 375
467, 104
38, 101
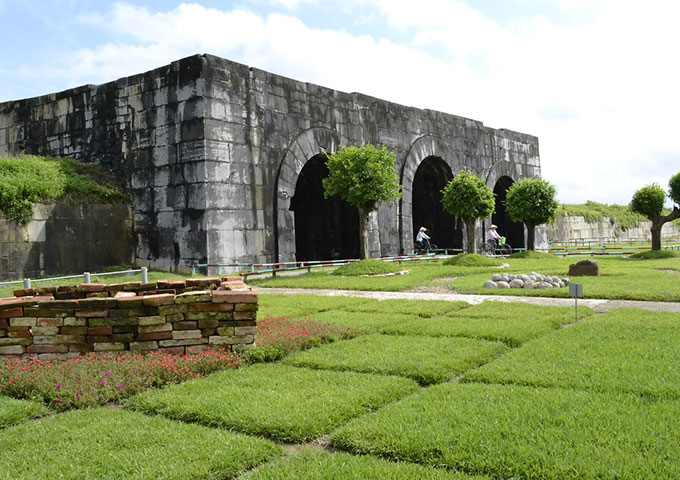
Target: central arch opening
513, 232
325, 229
432, 175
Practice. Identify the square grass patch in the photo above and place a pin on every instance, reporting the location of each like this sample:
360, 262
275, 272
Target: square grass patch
520, 311
302, 305
103, 443
511, 331
14, 411
522, 432
625, 350
319, 465
427, 360
281, 402
421, 308
364, 321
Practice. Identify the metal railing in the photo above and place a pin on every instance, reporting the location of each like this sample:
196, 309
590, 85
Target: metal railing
85, 276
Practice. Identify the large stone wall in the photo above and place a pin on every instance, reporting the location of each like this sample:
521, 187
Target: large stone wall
175, 316
212, 151
575, 229
66, 239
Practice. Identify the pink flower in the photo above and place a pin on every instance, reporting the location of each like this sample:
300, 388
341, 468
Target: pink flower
58, 400
107, 374
103, 382
58, 387
122, 386
78, 396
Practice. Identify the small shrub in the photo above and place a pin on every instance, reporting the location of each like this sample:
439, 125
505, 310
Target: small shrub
368, 267
655, 254
267, 354
472, 260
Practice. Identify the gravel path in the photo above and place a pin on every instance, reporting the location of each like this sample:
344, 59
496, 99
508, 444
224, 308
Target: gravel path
599, 305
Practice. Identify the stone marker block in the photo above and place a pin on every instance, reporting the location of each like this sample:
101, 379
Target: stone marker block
584, 268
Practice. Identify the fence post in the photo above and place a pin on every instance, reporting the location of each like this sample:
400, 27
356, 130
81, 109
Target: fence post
86, 277
27, 283
145, 275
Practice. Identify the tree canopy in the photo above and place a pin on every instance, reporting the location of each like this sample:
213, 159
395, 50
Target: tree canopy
364, 177
467, 197
649, 201
532, 202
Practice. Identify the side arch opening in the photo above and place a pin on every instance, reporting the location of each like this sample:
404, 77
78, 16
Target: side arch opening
325, 229
431, 176
513, 232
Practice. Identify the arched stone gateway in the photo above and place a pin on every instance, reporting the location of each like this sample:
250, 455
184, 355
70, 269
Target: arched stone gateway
325, 228
514, 232
310, 144
440, 161
431, 176
211, 152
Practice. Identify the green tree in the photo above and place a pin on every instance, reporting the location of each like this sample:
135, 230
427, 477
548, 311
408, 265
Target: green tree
364, 177
649, 201
532, 202
467, 197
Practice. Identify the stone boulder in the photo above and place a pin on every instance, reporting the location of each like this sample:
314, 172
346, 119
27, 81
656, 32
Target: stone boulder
490, 284
584, 268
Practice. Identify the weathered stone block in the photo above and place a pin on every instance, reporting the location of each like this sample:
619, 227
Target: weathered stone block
208, 323
185, 334
158, 300
152, 320
75, 322
92, 313
73, 330
12, 312
185, 325
45, 330
245, 315
192, 297
21, 332
171, 309
130, 302
99, 330
47, 349
230, 340
226, 331
23, 322
109, 347
58, 339
143, 337
174, 319
228, 296
177, 343
143, 346
50, 322
11, 349
165, 327
245, 330
244, 307
588, 268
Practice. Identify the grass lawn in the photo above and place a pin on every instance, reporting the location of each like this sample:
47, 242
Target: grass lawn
523, 432
622, 351
511, 323
17, 411
302, 305
620, 278
422, 308
425, 359
281, 402
319, 465
104, 443
364, 321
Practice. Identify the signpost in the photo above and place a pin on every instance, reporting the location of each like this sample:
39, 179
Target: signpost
576, 291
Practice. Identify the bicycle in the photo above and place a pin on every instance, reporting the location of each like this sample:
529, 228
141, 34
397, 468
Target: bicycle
429, 248
501, 248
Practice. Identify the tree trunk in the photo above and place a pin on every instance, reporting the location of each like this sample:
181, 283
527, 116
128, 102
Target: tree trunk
363, 232
470, 230
531, 235
658, 222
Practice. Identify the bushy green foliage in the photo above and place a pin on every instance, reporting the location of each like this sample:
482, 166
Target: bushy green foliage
674, 188
362, 176
531, 201
369, 266
655, 254
593, 212
14, 411
472, 260
648, 201
466, 196
29, 179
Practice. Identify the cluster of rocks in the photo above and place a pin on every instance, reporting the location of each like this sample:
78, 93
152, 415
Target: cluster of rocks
533, 280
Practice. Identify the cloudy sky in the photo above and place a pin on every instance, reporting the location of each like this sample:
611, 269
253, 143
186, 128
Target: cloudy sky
596, 80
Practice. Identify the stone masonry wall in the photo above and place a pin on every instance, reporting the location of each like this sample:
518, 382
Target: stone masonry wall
211, 151
103, 235
570, 228
175, 316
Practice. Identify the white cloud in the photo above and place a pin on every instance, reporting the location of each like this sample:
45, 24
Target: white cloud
600, 92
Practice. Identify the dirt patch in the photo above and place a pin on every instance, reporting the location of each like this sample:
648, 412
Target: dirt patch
444, 279
672, 272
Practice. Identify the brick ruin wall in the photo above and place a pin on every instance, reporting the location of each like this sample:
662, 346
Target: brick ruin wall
173, 316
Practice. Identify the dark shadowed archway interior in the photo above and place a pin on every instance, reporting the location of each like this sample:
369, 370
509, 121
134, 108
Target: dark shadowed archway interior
432, 175
514, 232
325, 229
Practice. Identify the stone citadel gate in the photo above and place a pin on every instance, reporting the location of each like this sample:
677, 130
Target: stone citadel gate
224, 162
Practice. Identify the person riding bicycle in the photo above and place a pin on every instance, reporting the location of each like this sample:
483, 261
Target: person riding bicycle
422, 238
492, 236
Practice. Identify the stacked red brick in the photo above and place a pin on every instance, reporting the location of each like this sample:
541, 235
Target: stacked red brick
175, 316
